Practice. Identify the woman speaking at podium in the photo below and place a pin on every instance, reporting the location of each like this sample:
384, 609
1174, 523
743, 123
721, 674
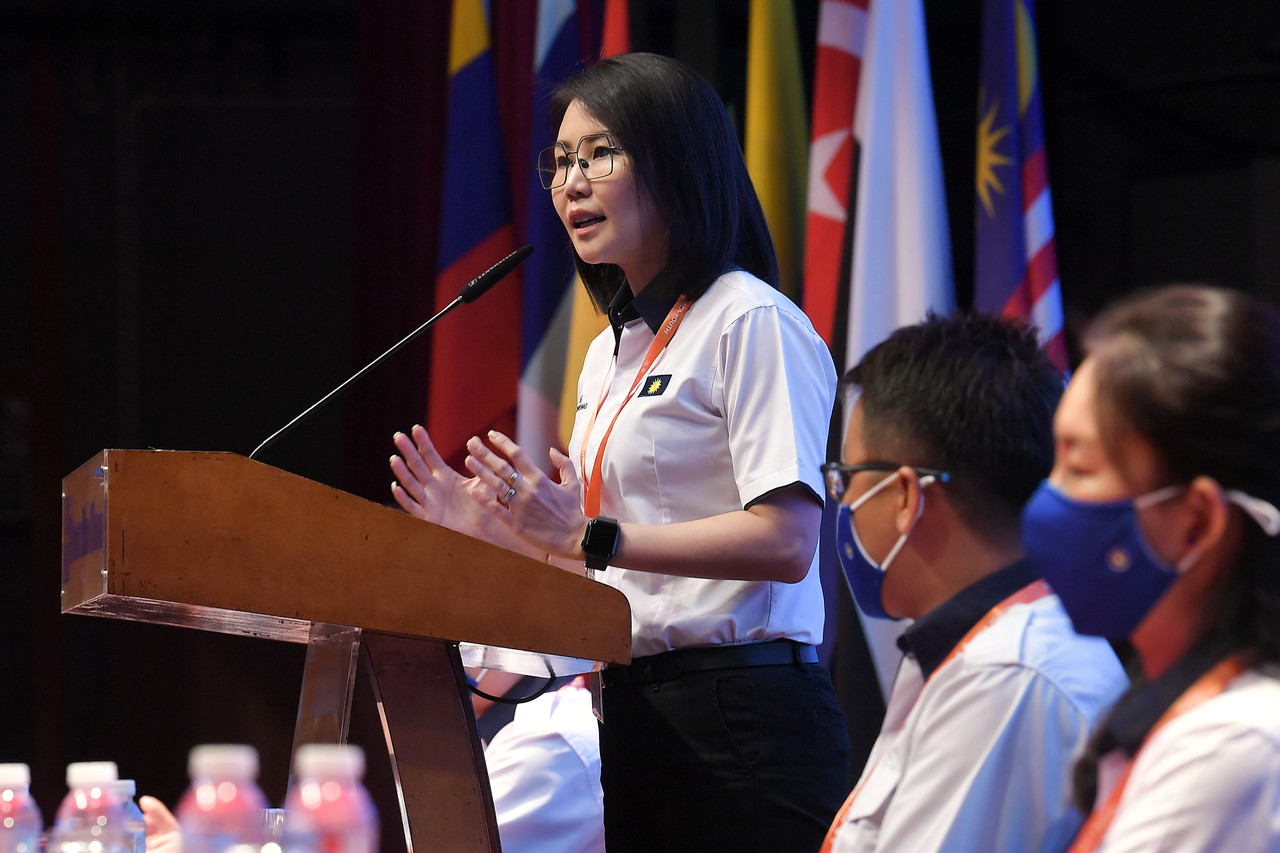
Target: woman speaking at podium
692, 482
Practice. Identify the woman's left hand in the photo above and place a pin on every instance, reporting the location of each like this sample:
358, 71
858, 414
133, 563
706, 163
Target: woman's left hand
543, 512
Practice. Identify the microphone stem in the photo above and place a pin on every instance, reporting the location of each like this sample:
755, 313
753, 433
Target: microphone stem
271, 439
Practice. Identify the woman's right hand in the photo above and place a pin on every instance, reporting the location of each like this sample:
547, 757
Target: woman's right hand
429, 489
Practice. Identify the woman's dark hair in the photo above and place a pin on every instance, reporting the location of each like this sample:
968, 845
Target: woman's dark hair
1195, 371
687, 160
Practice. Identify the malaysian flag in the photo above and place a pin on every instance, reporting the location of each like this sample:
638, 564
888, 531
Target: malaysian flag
1016, 265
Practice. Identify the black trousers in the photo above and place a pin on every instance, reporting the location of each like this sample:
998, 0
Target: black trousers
743, 759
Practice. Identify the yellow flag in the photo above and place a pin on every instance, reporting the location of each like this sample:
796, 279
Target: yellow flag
777, 134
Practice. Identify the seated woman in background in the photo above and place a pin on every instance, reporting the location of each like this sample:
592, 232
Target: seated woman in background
1158, 525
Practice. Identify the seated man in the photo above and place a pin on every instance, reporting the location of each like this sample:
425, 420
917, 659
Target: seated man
950, 434
544, 770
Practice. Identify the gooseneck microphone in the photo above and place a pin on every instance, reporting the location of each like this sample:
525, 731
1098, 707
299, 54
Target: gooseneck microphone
470, 292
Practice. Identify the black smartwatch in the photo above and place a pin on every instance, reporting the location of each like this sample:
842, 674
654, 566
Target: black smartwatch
600, 542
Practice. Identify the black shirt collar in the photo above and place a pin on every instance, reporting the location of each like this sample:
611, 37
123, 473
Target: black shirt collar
936, 633
649, 306
1140, 708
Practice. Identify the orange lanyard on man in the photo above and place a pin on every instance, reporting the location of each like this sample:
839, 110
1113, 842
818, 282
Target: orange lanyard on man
594, 482
1205, 688
1027, 595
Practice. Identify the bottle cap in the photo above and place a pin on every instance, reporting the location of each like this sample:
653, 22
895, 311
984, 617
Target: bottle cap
125, 789
82, 774
15, 776
339, 760
233, 760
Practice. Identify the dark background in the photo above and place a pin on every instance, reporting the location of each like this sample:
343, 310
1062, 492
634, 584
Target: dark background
211, 213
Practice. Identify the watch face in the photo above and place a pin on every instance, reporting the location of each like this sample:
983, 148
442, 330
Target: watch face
601, 539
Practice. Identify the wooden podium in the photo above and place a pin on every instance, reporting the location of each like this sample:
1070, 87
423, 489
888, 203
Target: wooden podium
390, 607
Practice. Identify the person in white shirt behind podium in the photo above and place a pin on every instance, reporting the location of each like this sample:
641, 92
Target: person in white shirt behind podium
691, 482
996, 694
544, 772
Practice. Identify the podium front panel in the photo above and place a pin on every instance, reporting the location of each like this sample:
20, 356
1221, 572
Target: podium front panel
219, 542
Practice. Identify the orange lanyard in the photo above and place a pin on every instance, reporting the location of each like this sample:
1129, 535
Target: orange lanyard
591, 492
1206, 687
1030, 593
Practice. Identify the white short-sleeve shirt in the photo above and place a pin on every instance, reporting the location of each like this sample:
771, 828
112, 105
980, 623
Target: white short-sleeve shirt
1207, 780
737, 406
544, 771
979, 760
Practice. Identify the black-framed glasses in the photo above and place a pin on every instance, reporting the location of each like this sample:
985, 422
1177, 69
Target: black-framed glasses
838, 474
594, 156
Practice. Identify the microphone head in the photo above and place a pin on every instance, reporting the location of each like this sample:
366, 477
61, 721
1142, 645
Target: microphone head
474, 289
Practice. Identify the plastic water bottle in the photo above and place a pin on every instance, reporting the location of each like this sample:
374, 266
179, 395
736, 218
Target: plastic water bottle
135, 825
91, 816
20, 820
224, 807
328, 800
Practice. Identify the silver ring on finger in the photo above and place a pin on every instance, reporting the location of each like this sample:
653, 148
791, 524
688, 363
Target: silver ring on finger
505, 499
512, 477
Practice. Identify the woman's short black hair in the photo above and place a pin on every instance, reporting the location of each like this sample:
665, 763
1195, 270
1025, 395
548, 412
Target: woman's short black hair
687, 160
1195, 372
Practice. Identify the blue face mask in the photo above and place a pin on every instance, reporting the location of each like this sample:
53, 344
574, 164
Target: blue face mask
1096, 558
865, 575
1098, 561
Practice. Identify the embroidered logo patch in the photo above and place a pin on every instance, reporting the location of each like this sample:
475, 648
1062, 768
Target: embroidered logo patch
655, 385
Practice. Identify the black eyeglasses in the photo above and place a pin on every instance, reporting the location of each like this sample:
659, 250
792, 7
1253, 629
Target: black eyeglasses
838, 474
594, 156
